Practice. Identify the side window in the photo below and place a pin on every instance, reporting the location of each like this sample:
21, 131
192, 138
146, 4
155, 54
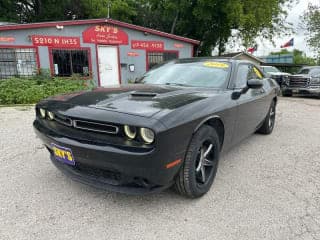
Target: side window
243, 74
67, 62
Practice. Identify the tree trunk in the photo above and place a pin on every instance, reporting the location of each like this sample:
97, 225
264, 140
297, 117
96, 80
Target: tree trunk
38, 8
173, 26
220, 47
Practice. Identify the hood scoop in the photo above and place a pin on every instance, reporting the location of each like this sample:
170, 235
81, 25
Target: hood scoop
143, 95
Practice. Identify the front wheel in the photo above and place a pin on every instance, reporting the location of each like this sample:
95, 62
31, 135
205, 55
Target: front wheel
200, 165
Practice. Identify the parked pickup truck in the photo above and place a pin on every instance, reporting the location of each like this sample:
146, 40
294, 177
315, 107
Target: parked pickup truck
306, 81
274, 73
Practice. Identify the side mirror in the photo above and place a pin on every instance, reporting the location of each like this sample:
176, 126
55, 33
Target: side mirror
255, 83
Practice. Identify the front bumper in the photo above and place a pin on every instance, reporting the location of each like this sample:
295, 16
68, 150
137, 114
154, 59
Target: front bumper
310, 90
116, 169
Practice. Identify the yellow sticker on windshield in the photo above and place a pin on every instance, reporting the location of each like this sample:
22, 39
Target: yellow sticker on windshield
215, 64
257, 72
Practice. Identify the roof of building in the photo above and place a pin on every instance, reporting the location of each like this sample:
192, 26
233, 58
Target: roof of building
237, 54
97, 21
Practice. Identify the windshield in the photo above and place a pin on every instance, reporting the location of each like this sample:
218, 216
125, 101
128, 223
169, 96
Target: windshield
310, 71
270, 69
304, 71
195, 74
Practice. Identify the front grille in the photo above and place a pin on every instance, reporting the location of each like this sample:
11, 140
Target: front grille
63, 120
100, 173
95, 127
86, 125
298, 82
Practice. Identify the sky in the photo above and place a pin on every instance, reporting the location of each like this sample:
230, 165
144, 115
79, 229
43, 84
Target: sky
294, 14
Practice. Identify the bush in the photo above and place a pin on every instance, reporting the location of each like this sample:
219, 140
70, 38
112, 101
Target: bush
27, 91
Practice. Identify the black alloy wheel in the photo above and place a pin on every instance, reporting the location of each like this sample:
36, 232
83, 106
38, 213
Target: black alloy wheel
200, 165
204, 162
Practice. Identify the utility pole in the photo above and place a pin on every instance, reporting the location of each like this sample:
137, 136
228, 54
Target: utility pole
108, 6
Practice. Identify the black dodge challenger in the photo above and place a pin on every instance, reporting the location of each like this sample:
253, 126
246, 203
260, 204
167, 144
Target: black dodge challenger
167, 129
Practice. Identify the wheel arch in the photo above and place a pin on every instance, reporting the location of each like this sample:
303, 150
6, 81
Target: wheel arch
215, 122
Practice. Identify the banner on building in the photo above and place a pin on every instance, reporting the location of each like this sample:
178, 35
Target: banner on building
105, 35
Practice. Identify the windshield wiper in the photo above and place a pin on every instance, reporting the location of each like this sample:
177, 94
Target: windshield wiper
178, 84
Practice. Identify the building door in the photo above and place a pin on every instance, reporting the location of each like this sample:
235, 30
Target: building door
108, 61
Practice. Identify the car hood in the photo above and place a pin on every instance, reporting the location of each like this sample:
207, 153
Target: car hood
135, 99
279, 73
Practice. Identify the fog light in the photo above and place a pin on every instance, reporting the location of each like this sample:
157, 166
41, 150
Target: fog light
51, 115
42, 112
147, 135
130, 131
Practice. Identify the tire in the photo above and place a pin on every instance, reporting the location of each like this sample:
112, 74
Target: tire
268, 124
197, 173
286, 93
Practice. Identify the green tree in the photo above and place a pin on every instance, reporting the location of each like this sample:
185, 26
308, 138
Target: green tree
212, 21
123, 10
8, 11
264, 18
311, 19
25, 11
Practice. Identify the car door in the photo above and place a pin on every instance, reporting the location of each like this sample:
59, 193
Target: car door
250, 104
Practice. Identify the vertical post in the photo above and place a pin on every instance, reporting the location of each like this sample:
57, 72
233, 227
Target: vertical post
108, 6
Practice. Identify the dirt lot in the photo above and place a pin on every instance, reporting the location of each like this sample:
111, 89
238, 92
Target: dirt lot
266, 188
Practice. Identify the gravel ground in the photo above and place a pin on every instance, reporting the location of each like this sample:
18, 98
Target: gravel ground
268, 187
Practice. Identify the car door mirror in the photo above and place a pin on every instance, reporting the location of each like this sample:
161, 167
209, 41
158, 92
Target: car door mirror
255, 83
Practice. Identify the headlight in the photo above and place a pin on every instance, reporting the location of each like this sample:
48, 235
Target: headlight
42, 112
147, 135
51, 115
130, 131
315, 80
286, 80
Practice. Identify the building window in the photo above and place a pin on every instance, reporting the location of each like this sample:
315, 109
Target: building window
17, 62
69, 62
155, 58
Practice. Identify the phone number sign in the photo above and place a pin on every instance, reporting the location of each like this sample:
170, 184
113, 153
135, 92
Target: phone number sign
147, 45
56, 41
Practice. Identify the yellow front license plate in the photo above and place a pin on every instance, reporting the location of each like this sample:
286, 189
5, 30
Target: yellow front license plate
63, 154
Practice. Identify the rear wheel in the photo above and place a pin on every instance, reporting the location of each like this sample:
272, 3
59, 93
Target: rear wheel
268, 124
200, 165
286, 93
